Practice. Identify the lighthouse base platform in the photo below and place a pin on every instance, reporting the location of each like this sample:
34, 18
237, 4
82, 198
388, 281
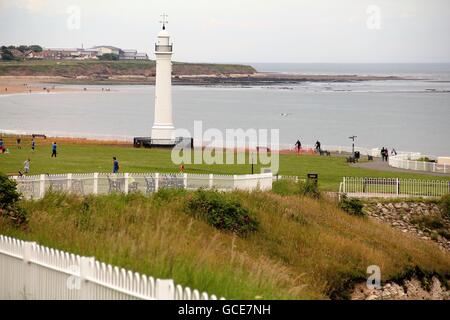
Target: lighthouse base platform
148, 142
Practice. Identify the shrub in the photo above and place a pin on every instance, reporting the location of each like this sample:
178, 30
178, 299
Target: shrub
9, 198
445, 206
351, 205
429, 222
309, 188
222, 212
290, 187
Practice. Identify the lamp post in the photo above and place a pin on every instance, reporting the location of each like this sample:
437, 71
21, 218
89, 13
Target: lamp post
353, 144
252, 159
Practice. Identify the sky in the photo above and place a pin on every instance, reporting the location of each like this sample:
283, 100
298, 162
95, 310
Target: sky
283, 31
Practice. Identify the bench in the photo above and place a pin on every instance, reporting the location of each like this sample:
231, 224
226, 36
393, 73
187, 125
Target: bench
324, 153
77, 187
151, 184
115, 185
351, 159
57, 185
171, 181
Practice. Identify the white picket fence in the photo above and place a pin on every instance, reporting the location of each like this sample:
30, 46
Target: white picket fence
409, 161
33, 272
35, 187
393, 187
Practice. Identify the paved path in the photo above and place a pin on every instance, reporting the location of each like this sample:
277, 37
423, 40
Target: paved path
379, 165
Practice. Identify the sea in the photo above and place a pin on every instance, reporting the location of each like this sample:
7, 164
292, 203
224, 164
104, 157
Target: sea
411, 115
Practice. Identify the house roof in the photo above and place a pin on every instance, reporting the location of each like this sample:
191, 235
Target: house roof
109, 47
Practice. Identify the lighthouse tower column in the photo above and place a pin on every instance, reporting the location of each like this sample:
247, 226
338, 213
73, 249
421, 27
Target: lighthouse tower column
163, 128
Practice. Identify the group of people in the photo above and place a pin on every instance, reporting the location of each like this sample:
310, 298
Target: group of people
385, 153
298, 146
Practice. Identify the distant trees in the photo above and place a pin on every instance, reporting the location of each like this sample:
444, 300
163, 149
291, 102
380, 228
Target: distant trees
7, 52
109, 57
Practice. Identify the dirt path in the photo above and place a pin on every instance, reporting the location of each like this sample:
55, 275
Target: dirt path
379, 165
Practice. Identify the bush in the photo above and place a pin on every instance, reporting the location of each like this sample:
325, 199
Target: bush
428, 222
309, 189
222, 212
290, 187
445, 206
352, 206
9, 198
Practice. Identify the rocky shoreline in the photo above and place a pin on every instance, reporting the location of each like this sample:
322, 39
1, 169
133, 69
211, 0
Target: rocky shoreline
406, 217
409, 289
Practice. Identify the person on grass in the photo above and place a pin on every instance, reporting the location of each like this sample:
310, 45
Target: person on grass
26, 165
115, 165
54, 147
298, 146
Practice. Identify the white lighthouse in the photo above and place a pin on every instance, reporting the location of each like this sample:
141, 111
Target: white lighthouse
163, 131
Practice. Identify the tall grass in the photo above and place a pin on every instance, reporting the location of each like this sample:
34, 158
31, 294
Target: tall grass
303, 249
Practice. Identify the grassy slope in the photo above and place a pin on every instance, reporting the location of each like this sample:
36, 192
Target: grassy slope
76, 68
98, 158
305, 249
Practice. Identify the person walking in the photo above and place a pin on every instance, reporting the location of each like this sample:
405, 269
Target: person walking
298, 146
393, 152
318, 146
18, 141
33, 144
26, 165
115, 165
2, 146
54, 147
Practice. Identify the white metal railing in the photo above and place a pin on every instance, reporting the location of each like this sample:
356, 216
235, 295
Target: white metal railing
337, 149
102, 183
31, 271
393, 187
409, 161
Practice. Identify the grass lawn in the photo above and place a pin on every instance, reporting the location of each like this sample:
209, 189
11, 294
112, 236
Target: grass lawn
82, 158
302, 249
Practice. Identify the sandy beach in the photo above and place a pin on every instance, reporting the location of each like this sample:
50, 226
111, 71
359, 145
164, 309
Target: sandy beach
27, 84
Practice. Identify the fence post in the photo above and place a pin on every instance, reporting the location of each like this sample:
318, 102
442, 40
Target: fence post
185, 176
95, 191
211, 181
42, 186
398, 186
343, 186
165, 290
69, 182
86, 271
156, 182
27, 276
127, 175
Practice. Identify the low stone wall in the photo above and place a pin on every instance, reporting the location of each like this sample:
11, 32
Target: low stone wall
401, 214
412, 289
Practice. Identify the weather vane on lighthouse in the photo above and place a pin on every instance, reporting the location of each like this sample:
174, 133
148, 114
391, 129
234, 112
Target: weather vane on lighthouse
164, 20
